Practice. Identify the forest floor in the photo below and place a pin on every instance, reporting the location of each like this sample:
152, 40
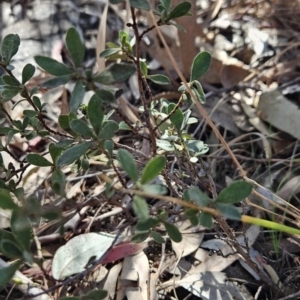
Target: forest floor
252, 97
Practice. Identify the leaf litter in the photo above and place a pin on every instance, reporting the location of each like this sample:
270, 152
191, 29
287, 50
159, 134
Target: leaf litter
254, 66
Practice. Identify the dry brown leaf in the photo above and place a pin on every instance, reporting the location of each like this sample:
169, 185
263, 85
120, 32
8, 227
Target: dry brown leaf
136, 269
233, 74
110, 282
191, 239
221, 113
280, 112
290, 188
187, 41
158, 52
217, 262
101, 38
213, 75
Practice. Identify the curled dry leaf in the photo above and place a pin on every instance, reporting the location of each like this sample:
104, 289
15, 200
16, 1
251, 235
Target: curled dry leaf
136, 269
124, 249
190, 242
109, 284
280, 112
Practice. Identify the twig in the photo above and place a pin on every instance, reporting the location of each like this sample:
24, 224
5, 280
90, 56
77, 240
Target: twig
140, 83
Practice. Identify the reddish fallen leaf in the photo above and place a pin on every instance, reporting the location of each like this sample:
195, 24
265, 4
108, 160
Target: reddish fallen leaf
36, 270
122, 250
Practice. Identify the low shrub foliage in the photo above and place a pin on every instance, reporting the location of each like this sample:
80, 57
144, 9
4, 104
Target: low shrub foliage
88, 130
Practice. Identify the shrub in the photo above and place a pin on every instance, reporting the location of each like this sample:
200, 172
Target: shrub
88, 131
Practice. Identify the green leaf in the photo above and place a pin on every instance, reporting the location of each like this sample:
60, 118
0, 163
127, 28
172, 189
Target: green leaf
160, 10
146, 224
166, 4
196, 147
163, 215
6, 201
10, 67
198, 196
200, 65
123, 37
51, 214
38, 160
192, 215
57, 81
34, 90
115, 73
6, 130
65, 143
2, 183
96, 113
9, 92
27, 256
176, 117
228, 211
140, 208
105, 95
6, 235
206, 220
108, 130
9, 47
27, 72
198, 91
11, 249
9, 80
77, 95
52, 66
144, 68
20, 194
109, 146
178, 26
165, 145
157, 237
36, 100
7, 273
72, 154
127, 162
21, 228
180, 10
173, 232
156, 189
30, 113
55, 151
115, 1
75, 46
64, 122
235, 192
140, 4
109, 52
159, 79
124, 126
153, 168
140, 237
70, 298
112, 45
58, 180
82, 128
95, 295
85, 164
